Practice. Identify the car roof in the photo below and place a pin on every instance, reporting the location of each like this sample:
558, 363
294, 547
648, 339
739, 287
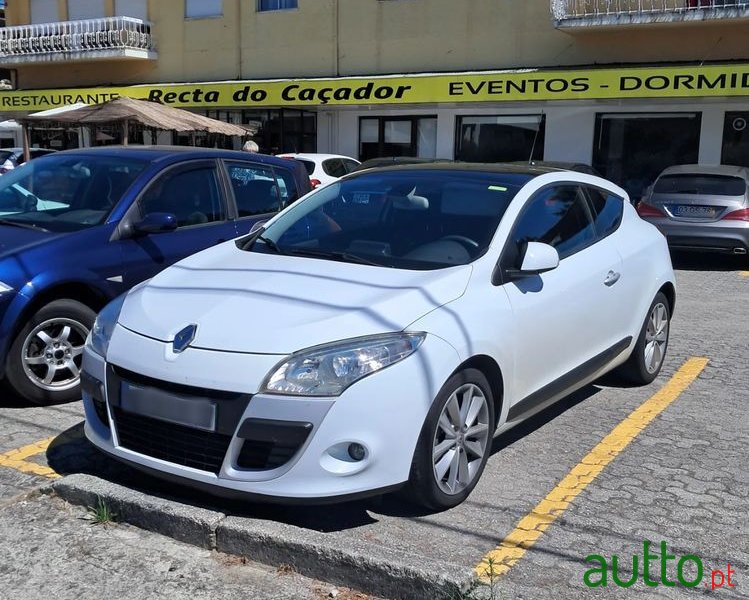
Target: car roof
157, 153
509, 168
727, 170
313, 156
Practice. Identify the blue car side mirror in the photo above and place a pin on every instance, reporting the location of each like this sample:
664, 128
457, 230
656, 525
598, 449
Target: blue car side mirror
156, 222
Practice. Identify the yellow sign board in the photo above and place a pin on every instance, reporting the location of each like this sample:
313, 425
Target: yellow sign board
500, 86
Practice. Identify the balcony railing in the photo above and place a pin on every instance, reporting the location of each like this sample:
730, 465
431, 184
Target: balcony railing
572, 13
110, 37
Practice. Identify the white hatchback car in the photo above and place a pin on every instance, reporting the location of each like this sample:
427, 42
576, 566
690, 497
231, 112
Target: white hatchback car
324, 168
379, 332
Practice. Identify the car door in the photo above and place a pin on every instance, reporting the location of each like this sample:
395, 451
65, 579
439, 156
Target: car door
195, 194
257, 192
563, 316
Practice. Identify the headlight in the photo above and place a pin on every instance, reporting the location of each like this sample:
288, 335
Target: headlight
104, 324
329, 369
4, 287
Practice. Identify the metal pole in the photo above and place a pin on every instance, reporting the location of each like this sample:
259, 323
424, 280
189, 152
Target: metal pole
25, 134
125, 131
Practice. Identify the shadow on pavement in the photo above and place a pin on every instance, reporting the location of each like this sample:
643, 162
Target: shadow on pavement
71, 453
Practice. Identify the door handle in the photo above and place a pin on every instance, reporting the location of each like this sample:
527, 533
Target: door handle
611, 278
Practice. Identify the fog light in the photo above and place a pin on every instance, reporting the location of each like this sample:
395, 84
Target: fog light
356, 451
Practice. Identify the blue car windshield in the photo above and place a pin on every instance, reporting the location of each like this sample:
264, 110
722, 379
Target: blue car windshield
407, 219
63, 193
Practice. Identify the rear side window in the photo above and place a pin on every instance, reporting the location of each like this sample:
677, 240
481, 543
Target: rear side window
334, 167
350, 165
606, 209
708, 185
557, 216
287, 187
256, 191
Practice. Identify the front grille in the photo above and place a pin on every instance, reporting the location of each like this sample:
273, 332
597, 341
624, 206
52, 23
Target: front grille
178, 444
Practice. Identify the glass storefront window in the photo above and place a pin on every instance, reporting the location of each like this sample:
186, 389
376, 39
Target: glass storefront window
736, 139
500, 138
631, 149
397, 136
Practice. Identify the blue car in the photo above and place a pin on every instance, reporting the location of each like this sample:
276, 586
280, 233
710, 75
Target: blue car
78, 228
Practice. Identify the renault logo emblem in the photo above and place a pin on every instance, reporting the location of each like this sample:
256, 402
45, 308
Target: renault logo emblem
184, 337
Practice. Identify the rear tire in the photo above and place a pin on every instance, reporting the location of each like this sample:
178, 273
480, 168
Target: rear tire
44, 360
454, 444
646, 360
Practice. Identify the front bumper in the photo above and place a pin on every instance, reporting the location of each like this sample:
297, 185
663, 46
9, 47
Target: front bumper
718, 236
280, 448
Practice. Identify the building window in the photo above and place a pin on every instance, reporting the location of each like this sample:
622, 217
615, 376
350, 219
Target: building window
79, 10
498, 138
736, 139
266, 5
277, 130
201, 9
44, 11
631, 149
137, 9
397, 136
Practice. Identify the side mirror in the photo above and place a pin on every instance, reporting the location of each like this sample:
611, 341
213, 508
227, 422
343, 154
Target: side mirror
539, 258
258, 225
155, 223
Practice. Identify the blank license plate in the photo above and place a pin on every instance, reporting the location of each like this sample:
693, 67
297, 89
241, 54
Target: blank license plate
157, 404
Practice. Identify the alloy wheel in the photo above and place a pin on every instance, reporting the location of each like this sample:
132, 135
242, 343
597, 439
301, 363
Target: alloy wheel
656, 337
461, 439
52, 354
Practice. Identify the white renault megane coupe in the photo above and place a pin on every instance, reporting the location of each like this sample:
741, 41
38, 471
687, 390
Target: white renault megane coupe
379, 333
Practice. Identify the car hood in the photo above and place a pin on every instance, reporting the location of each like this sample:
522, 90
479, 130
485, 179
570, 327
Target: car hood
270, 304
13, 239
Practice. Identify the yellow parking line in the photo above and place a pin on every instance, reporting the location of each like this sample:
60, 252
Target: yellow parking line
500, 560
16, 459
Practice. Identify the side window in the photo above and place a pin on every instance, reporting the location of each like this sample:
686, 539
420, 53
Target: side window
287, 186
350, 165
334, 167
556, 216
607, 210
256, 191
192, 196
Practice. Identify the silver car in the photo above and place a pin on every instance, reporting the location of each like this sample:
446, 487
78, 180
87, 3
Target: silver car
699, 207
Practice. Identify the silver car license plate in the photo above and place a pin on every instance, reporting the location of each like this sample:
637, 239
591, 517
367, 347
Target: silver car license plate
701, 212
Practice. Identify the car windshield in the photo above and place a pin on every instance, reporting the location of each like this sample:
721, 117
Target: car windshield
419, 219
705, 185
65, 192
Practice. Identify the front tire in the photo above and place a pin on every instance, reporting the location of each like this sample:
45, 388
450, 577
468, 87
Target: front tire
646, 360
44, 361
454, 443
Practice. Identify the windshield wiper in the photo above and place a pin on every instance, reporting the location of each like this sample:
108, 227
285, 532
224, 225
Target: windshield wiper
334, 254
23, 225
270, 243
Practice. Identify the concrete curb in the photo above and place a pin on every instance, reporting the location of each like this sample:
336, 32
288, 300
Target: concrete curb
196, 526
326, 556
